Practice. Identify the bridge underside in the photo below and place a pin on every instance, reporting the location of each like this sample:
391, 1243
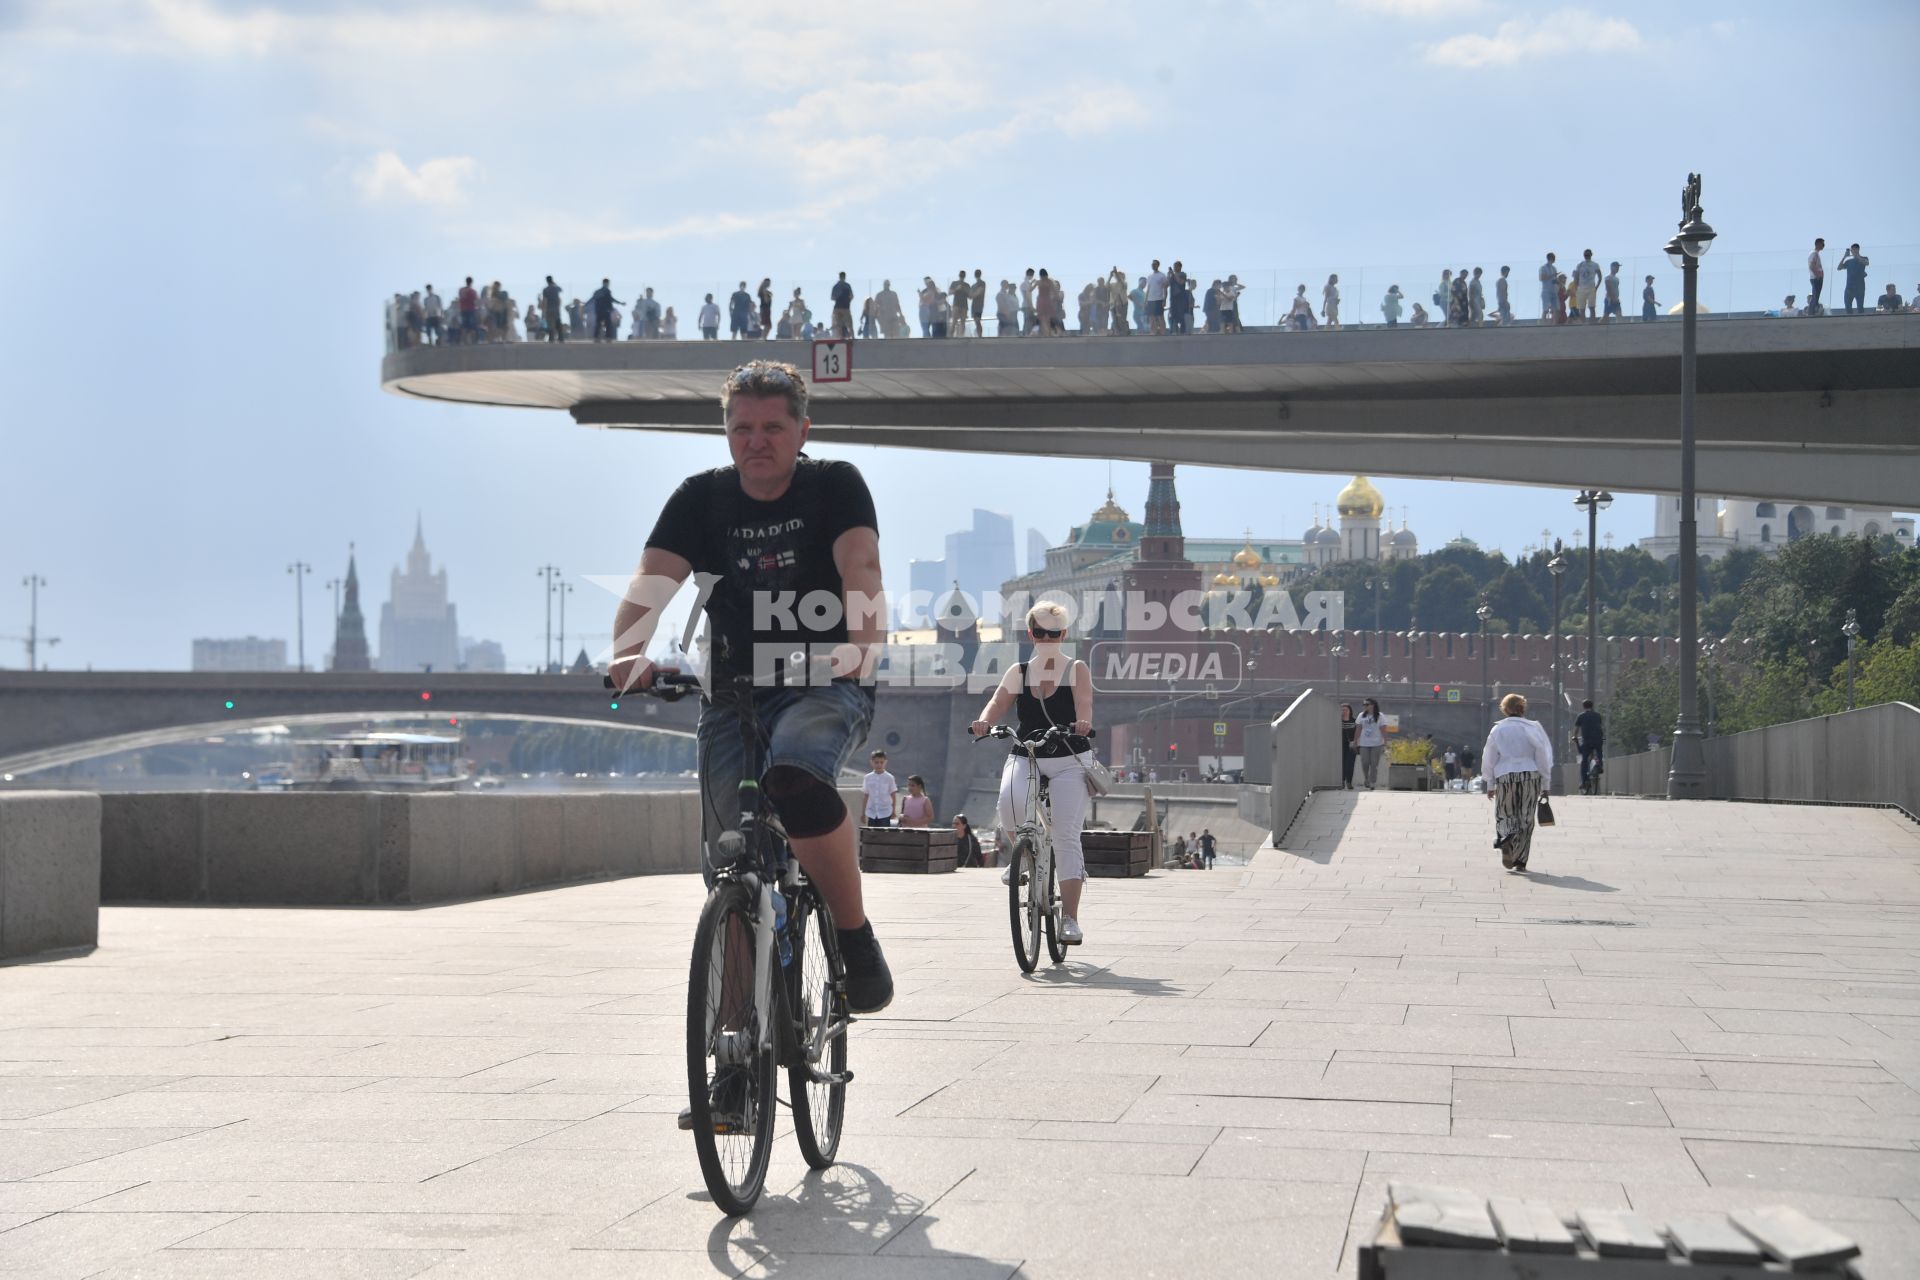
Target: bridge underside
1829, 409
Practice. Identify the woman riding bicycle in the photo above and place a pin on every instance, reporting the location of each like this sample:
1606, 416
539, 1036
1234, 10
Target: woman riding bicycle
1050, 689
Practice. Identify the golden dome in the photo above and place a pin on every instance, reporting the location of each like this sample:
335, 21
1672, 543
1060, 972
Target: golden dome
1269, 579
1360, 499
1111, 513
1247, 558
1225, 580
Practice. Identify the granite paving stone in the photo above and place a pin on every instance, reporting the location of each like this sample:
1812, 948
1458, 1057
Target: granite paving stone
1221, 1081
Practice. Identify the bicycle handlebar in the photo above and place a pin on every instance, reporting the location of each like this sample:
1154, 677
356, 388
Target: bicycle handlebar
669, 686
1057, 731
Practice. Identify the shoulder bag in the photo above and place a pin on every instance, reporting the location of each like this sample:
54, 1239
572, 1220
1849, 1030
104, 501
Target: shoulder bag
1099, 776
1545, 816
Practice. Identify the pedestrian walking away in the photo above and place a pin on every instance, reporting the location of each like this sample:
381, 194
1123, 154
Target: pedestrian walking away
1372, 740
1517, 762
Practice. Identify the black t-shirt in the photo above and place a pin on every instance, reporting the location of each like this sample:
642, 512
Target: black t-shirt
779, 551
843, 296
1590, 728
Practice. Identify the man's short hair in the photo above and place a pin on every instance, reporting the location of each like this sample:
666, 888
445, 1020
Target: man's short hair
767, 378
1587, 703
877, 755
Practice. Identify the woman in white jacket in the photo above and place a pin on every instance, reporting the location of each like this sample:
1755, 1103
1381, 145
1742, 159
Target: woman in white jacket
1517, 763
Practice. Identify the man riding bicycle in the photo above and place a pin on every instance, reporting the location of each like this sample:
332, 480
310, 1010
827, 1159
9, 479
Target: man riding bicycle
777, 539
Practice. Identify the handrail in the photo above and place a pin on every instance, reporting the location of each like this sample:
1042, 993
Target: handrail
1863, 757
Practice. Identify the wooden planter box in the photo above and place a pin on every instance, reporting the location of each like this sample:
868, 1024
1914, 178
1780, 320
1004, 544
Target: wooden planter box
908, 850
1117, 854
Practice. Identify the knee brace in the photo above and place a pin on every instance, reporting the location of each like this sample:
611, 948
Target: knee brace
807, 806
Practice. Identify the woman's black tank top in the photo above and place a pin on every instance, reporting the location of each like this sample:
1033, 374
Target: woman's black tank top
1034, 713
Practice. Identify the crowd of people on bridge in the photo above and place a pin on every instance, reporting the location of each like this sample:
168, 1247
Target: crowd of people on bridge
1162, 301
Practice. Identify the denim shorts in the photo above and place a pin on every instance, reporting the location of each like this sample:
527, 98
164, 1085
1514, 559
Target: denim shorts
816, 728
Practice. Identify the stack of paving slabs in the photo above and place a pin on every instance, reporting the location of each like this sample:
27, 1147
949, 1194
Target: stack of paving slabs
908, 850
1443, 1233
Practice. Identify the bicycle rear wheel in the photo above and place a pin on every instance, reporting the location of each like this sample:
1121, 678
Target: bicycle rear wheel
729, 1075
817, 1002
1023, 905
1050, 912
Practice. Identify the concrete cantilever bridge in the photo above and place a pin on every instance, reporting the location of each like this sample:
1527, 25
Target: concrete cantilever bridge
1830, 408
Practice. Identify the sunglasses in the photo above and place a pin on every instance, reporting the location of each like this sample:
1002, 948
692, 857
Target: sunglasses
1041, 633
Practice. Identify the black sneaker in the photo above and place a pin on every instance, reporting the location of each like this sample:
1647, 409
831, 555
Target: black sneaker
726, 1103
869, 981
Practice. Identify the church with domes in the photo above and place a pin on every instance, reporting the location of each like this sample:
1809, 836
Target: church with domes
1098, 555
1360, 536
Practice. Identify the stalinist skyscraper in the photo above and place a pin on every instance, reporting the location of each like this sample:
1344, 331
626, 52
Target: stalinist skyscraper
417, 625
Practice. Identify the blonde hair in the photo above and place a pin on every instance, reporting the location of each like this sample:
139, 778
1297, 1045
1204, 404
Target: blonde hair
1514, 705
1047, 615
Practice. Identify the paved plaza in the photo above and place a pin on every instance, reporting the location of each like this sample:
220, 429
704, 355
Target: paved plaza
1683, 1008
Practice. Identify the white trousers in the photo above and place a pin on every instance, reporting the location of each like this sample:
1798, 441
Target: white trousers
1067, 792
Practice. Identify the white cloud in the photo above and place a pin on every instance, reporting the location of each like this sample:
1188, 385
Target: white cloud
1563, 31
208, 29
1417, 8
438, 181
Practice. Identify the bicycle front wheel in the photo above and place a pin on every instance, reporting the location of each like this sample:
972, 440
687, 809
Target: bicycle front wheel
818, 1004
729, 1074
1023, 904
1050, 912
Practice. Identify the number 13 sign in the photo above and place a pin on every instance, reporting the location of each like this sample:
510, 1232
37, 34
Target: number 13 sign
833, 360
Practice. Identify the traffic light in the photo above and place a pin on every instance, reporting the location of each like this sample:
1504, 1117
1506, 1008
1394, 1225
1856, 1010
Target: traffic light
454, 721
1436, 693
1173, 751
613, 706
229, 704
426, 695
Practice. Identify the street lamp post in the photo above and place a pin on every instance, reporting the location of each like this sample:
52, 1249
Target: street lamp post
564, 590
334, 585
33, 582
1379, 636
1851, 630
1484, 612
551, 574
1339, 648
1593, 502
1413, 656
1687, 774
1557, 567
300, 569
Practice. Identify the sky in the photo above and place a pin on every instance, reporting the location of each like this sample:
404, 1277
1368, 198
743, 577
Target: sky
203, 204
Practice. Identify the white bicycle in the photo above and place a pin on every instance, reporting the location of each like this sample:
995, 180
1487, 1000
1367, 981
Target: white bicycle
1033, 887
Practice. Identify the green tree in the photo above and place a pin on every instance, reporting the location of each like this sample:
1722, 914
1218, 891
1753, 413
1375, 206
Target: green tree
1513, 598
1646, 702
1444, 600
